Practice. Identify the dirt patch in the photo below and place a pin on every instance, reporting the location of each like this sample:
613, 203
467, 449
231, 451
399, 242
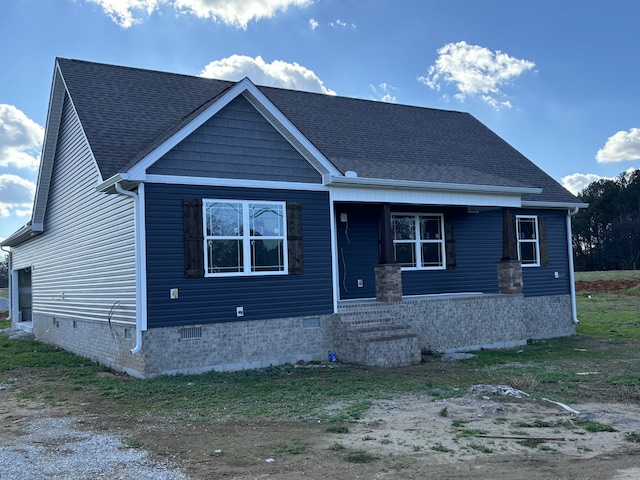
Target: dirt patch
483, 435
606, 285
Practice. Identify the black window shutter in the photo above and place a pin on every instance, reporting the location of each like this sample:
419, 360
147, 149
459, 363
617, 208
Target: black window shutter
449, 244
294, 238
193, 238
542, 241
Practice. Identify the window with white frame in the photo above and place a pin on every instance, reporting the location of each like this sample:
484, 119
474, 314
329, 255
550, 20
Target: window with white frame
244, 237
418, 240
528, 240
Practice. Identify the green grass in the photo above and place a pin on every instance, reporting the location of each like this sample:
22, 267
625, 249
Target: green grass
607, 343
438, 447
480, 447
336, 447
593, 426
4, 293
609, 315
608, 275
632, 437
360, 456
335, 428
133, 443
295, 447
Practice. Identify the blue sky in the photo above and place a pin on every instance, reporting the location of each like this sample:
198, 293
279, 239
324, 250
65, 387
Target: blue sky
558, 80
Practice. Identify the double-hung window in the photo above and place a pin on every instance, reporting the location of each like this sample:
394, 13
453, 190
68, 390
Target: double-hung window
418, 240
244, 237
528, 240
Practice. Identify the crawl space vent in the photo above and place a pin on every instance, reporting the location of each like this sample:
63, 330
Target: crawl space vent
189, 333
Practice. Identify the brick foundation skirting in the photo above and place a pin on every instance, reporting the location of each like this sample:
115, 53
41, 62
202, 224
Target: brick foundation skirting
441, 323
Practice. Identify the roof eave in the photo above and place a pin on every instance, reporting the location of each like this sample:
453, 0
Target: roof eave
25, 233
556, 205
451, 187
109, 185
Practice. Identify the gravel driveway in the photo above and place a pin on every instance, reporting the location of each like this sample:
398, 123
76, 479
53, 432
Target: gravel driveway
54, 449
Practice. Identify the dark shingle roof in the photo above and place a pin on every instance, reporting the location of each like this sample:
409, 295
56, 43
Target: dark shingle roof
126, 110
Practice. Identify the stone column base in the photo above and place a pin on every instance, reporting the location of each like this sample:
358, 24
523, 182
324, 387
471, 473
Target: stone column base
510, 277
388, 283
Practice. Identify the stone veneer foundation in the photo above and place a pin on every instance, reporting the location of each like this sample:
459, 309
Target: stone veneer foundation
440, 323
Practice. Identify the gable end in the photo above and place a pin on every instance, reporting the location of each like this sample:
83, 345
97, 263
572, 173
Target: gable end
237, 143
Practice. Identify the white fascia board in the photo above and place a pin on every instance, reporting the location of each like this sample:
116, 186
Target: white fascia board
556, 205
363, 182
233, 182
25, 233
110, 182
424, 197
52, 128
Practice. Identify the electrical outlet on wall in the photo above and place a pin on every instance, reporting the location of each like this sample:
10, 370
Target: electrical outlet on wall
239, 311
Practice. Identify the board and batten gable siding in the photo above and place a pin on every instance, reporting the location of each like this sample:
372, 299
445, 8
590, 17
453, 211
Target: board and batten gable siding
214, 299
237, 143
84, 261
478, 249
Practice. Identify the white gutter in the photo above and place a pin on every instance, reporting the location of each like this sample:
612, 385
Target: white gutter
412, 184
138, 263
572, 280
559, 205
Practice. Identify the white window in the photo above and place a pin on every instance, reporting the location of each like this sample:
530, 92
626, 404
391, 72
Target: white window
418, 240
244, 237
528, 240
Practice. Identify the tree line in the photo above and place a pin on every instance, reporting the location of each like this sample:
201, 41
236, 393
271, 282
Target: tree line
606, 235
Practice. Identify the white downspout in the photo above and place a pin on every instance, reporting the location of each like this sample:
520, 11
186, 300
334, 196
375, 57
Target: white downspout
138, 263
10, 284
574, 310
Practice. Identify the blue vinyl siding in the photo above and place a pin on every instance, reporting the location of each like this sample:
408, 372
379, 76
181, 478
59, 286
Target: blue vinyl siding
357, 250
239, 143
478, 249
214, 300
540, 281
478, 238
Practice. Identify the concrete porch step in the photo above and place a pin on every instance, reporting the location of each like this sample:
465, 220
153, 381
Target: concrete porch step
378, 342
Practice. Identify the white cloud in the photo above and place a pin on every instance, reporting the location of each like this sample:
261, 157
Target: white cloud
16, 195
275, 74
237, 13
384, 93
313, 24
577, 182
20, 139
124, 12
475, 70
621, 146
341, 23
